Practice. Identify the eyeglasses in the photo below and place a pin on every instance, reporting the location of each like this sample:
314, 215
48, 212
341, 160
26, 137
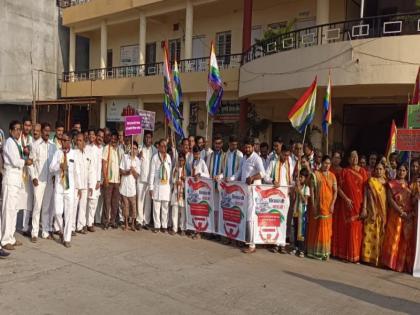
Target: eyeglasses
17, 128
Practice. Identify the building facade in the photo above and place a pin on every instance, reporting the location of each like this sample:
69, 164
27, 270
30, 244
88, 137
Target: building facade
269, 52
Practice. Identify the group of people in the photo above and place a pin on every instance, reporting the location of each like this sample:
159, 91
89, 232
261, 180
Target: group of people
71, 182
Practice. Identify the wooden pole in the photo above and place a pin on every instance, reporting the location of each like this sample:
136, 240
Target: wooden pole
304, 135
207, 126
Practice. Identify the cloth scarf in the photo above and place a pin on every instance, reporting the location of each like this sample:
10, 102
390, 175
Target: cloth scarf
163, 173
65, 173
233, 164
276, 173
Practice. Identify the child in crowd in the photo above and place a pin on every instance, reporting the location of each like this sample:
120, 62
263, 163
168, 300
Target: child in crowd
302, 193
177, 198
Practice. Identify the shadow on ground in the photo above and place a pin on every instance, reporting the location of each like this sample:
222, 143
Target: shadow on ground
388, 302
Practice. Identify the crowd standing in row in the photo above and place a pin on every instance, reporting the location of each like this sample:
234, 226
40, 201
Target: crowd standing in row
365, 212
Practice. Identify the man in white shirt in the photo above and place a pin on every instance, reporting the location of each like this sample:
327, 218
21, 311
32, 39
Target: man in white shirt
308, 149
12, 185
37, 133
264, 154
111, 159
62, 166
84, 182
27, 195
144, 201
295, 165
95, 151
59, 131
160, 188
129, 170
41, 154
233, 158
250, 172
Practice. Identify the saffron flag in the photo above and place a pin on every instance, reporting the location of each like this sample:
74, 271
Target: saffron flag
327, 108
302, 113
392, 140
215, 85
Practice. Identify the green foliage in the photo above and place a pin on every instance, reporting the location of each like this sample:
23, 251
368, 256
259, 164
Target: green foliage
271, 35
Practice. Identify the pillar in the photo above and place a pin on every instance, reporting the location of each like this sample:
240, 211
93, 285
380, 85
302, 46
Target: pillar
186, 114
246, 45
142, 39
140, 104
72, 53
104, 47
322, 12
189, 22
102, 114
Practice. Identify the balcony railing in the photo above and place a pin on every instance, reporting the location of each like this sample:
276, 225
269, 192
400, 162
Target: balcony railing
69, 3
187, 65
370, 27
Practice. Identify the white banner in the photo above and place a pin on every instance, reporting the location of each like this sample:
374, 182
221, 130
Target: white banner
200, 205
270, 208
115, 109
416, 270
233, 210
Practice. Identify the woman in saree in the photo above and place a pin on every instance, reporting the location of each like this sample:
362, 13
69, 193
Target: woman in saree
351, 190
397, 248
338, 215
324, 192
374, 213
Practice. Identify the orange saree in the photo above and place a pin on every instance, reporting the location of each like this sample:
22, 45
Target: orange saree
319, 245
352, 183
397, 250
338, 232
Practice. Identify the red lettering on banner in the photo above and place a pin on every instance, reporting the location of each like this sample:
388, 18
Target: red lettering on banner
199, 209
232, 215
269, 219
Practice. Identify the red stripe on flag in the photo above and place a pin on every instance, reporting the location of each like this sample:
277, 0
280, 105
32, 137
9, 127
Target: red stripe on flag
302, 101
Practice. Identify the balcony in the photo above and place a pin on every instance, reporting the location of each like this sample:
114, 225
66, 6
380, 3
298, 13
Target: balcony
375, 56
371, 27
70, 3
147, 79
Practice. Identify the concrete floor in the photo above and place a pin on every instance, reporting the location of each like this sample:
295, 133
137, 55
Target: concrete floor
118, 272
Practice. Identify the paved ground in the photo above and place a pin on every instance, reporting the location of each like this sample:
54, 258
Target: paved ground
118, 272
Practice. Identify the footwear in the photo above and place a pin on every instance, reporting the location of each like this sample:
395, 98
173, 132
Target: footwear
274, 249
91, 228
301, 254
26, 233
146, 227
17, 243
155, 230
172, 232
283, 250
3, 253
163, 230
67, 244
105, 226
82, 231
114, 226
196, 236
133, 228
34, 239
138, 227
9, 247
182, 233
249, 250
73, 233
50, 236
293, 252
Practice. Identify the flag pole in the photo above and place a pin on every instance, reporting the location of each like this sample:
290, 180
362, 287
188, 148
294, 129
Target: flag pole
304, 135
207, 126
326, 143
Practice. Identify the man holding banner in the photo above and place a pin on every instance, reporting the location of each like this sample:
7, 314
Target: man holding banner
250, 172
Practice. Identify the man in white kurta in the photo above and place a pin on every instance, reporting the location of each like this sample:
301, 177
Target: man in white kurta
250, 172
95, 150
41, 154
160, 189
27, 195
62, 166
144, 201
12, 185
84, 182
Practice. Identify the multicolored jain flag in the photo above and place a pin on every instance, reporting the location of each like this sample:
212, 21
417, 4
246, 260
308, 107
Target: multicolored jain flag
302, 113
177, 86
327, 119
215, 85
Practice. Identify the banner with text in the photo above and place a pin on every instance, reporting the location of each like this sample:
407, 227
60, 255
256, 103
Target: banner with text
270, 208
233, 210
416, 271
200, 205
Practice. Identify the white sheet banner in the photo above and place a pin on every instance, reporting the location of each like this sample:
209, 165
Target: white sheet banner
416, 271
270, 208
233, 210
200, 205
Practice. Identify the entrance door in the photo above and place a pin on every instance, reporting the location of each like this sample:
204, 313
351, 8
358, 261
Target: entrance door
366, 127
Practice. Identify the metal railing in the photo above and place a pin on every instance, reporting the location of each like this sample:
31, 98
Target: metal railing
370, 27
187, 65
69, 3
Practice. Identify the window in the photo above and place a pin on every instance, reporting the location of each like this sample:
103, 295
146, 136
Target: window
223, 43
175, 50
150, 53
